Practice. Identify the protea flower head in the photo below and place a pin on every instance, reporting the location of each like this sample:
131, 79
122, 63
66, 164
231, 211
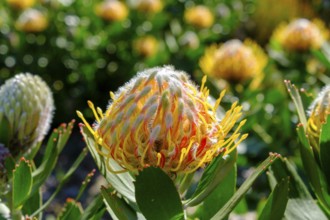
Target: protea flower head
160, 118
32, 20
318, 113
234, 61
26, 111
146, 46
149, 6
301, 34
112, 10
199, 16
21, 4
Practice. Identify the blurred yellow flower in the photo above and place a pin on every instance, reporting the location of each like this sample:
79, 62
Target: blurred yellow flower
160, 118
146, 46
199, 16
32, 20
319, 111
301, 34
150, 6
21, 4
234, 61
112, 10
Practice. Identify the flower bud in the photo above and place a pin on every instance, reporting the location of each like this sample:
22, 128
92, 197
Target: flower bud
199, 16
112, 10
26, 111
234, 61
32, 20
301, 35
176, 131
146, 46
318, 113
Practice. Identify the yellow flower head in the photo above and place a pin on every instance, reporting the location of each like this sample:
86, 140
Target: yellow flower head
112, 10
150, 6
234, 61
319, 111
146, 46
301, 35
199, 16
160, 118
32, 20
21, 4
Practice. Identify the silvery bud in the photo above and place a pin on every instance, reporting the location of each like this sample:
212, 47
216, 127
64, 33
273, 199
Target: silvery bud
26, 111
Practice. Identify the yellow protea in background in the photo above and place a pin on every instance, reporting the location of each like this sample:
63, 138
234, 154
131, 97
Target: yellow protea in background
199, 16
32, 20
301, 34
112, 10
149, 6
146, 46
21, 4
234, 61
160, 118
318, 113
26, 111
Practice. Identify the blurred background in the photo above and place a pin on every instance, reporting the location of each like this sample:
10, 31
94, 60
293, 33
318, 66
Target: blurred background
84, 49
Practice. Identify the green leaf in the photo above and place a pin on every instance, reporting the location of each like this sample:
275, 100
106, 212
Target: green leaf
312, 169
71, 210
234, 200
325, 151
122, 182
55, 145
276, 203
212, 176
301, 205
117, 207
33, 203
95, 209
218, 197
156, 195
22, 183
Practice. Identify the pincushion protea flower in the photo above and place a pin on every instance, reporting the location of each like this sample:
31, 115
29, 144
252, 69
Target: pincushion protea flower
26, 111
32, 20
319, 111
234, 61
146, 46
112, 10
301, 34
199, 16
21, 4
161, 119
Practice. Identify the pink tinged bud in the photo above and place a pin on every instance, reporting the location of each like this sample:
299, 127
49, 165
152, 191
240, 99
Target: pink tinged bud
154, 134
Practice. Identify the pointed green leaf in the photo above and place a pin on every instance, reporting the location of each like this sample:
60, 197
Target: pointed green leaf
325, 151
212, 176
122, 182
117, 207
156, 195
230, 205
95, 209
71, 210
22, 183
276, 202
33, 203
312, 169
218, 197
301, 204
